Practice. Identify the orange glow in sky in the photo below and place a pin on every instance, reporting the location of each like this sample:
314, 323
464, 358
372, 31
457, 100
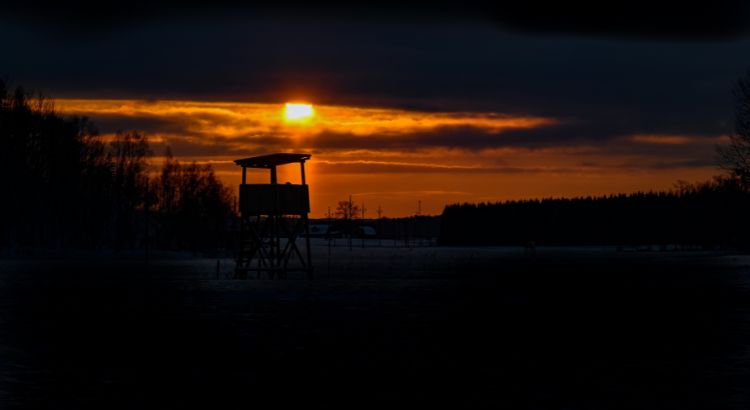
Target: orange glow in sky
394, 157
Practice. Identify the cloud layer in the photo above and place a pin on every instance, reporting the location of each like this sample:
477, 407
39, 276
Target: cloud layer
584, 104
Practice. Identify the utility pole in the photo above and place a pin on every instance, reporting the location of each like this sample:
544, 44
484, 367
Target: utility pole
329, 215
418, 222
363, 224
380, 225
328, 238
350, 222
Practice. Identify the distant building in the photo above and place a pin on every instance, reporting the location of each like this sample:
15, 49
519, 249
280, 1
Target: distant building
319, 230
322, 230
366, 232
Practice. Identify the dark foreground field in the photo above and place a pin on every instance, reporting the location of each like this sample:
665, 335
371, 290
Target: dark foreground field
472, 328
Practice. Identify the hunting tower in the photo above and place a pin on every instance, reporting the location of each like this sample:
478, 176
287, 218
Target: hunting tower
272, 217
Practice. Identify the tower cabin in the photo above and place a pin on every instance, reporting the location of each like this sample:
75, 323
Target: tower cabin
273, 217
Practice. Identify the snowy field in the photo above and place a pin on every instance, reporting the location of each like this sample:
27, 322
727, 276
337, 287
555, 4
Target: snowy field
578, 328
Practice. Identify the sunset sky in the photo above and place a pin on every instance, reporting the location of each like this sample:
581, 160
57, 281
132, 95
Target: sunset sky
409, 108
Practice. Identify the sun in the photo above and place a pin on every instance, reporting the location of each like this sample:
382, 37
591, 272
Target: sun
298, 112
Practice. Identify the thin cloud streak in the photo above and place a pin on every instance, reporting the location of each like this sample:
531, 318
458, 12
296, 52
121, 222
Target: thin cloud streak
239, 119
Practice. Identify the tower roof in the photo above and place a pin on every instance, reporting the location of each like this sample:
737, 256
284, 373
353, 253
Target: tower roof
272, 160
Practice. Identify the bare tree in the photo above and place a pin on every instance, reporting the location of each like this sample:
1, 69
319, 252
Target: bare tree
347, 210
734, 157
129, 152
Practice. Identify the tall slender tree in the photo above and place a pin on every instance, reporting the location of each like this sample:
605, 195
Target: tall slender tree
734, 157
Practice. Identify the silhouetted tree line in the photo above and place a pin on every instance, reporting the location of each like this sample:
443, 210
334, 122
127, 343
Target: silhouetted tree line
706, 214
195, 210
712, 213
64, 185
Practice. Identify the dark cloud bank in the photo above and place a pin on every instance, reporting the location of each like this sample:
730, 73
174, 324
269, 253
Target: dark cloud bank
634, 67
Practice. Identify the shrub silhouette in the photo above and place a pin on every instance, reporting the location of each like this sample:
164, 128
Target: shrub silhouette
66, 187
